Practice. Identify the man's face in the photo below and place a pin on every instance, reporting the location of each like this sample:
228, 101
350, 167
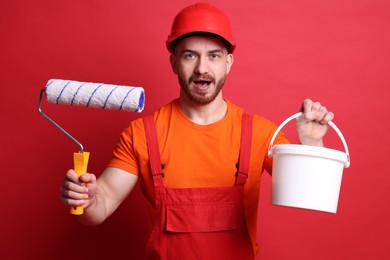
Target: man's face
201, 63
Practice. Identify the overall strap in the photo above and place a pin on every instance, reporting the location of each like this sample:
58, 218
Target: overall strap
245, 149
153, 150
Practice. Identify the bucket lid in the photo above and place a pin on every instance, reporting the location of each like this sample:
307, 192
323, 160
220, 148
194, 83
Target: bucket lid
310, 151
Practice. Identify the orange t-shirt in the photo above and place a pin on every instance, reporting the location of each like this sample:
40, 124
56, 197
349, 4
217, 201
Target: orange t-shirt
196, 156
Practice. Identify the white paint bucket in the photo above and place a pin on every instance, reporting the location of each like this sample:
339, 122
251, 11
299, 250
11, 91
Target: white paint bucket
306, 176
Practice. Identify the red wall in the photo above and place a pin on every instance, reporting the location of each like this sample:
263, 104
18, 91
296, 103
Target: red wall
333, 51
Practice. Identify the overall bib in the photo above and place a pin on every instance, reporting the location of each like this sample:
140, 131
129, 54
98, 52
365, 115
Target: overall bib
200, 223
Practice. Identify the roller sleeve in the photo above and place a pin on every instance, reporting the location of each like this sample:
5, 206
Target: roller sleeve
98, 95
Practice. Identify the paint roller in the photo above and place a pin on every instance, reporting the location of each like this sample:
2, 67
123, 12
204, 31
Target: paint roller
88, 94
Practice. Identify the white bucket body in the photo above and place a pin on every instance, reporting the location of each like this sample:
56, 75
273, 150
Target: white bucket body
305, 176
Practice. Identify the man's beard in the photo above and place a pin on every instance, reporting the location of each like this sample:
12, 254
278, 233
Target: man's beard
201, 98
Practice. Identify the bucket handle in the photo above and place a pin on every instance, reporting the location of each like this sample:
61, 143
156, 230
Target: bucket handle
335, 128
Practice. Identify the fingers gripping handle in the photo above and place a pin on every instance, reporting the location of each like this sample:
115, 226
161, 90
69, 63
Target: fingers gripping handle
80, 161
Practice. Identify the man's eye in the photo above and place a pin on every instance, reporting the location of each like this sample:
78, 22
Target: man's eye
189, 56
214, 56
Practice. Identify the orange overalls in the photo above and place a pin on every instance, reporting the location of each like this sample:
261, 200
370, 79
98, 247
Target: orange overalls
200, 223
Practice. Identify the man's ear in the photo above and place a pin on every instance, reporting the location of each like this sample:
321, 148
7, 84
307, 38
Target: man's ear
229, 62
172, 60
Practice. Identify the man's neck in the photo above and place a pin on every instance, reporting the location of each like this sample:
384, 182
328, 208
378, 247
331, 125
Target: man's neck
204, 114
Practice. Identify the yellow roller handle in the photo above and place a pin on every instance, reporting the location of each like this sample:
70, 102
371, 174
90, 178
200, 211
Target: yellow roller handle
80, 161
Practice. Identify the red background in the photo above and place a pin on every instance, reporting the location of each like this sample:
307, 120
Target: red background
333, 51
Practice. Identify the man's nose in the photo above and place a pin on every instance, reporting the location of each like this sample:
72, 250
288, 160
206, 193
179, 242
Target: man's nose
202, 66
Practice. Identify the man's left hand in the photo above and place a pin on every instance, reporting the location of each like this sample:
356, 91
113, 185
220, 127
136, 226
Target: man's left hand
312, 125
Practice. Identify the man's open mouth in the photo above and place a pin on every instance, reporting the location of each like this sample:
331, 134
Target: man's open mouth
202, 83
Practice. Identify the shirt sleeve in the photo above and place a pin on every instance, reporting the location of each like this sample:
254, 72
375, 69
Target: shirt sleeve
124, 156
268, 128
280, 139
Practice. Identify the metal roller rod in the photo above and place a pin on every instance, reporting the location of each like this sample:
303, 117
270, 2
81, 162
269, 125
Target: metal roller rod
57, 125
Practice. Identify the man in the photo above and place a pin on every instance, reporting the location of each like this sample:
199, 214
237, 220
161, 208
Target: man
199, 158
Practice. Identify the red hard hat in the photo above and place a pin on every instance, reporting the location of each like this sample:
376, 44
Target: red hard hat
201, 18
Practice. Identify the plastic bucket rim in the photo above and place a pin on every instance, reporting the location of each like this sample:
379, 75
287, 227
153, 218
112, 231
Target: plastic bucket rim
308, 150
